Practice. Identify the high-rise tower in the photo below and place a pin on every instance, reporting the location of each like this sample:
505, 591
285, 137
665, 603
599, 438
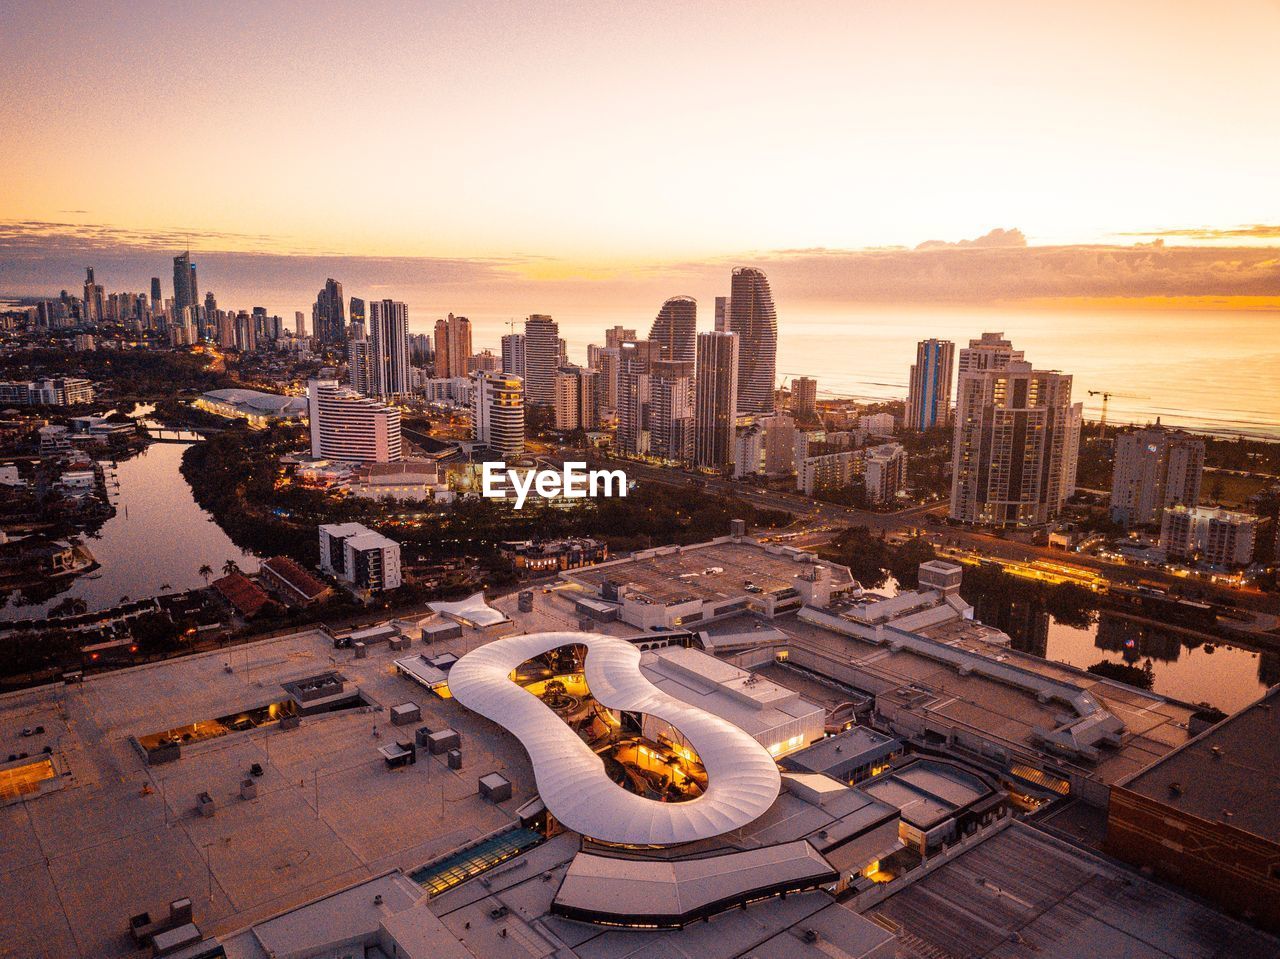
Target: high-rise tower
674, 329
753, 317
929, 390
715, 400
541, 359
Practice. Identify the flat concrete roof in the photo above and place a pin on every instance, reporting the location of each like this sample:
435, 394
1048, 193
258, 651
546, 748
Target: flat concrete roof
1024, 893
1233, 767
856, 743
1154, 726
122, 837
710, 572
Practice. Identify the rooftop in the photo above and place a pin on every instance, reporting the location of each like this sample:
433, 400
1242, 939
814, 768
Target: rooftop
1231, 768
1023, 893
710, 572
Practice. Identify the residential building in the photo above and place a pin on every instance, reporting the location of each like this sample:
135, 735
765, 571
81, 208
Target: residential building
389, 349
1208, 534
748, 450
605, 361
828, 470
675, 329
1155, 468
929, 389
753, 317
350, 427
513, 354
497, 412
671, 409
357, 555
722, 315
485, 360
635, 358
877, 424
453, 346
991, 351
716, 397
360, 366
576, 395
615, 336
1017, 436
57, 391
541, 359
779, 443
804, 397
328, 314
358, 328
299, 324
884, 472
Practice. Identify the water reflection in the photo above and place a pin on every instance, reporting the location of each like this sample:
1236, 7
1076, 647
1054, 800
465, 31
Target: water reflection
157, 541
1184, 665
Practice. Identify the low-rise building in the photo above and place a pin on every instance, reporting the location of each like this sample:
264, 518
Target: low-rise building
259, 409
1211, 535
59, 391
293, 584
357, 555
537, 557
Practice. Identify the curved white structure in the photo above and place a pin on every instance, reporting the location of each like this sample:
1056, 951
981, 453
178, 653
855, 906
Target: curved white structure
742, 778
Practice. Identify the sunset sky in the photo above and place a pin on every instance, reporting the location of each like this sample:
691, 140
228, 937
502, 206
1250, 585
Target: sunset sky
570, 142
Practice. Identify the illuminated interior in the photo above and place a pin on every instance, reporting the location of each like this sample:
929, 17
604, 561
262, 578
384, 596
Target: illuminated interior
25, 779
661, 767
213, 728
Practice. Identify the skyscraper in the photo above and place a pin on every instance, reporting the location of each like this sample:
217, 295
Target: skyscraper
670, 414
675, 329
991, 351
634, 359
299, 324
328, 315
929, 389
453, 346
804, 396
513, 354
753, 317
360, 366
716, 400
94, 301
1155, 469
1017, 437
541, 359
358, 318
576, 399
186, 291
157, 296
497, 412
615, 336
605, 359
722, 314
389, 349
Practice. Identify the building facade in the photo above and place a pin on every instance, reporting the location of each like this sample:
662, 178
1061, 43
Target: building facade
541, 359
991, 351
497, 412
675, 329
715, 400
929, 388
1017, 437
452, 345
884, 472
357, 555
1210, 535
1155, 469
349, 427
753, 317
671, 410
576, 395
389, 349
328, 314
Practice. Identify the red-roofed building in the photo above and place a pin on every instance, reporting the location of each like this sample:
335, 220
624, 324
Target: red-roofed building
293, 584
246, 596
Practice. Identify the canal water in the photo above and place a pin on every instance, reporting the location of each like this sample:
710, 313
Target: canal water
156, 542
1182, 666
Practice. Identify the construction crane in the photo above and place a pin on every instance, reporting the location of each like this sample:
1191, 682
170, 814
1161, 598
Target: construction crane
1106, 396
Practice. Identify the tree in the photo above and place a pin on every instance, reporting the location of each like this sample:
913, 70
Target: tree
205, 572
229, 567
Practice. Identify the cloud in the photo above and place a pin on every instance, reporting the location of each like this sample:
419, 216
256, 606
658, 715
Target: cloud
996, 239
1254, 231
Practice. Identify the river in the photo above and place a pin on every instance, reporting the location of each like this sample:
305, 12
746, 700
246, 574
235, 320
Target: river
156, 542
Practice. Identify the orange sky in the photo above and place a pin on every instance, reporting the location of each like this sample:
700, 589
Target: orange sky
608, 135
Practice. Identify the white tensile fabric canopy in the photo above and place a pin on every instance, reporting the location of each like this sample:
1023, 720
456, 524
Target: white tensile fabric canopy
473, 609
742, 778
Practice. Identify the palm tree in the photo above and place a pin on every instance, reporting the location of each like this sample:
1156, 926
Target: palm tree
206, 571
229, 567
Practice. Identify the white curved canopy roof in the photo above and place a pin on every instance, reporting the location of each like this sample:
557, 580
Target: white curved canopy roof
473, 609
742, 778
